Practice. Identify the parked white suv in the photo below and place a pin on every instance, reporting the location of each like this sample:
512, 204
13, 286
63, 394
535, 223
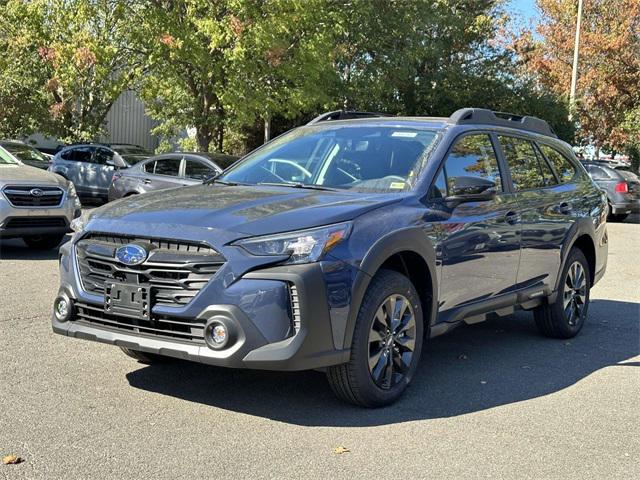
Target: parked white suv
35, 205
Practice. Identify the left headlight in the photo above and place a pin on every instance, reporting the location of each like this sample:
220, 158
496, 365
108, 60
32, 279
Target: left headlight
304, 246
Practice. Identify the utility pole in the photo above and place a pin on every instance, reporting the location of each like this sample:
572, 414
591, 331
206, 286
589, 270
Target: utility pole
574, 72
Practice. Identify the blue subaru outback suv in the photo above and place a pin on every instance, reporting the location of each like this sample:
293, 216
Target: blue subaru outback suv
344, 245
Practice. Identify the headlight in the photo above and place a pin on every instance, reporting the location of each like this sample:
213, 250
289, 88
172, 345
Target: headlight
304, 246
78, 224
73, 195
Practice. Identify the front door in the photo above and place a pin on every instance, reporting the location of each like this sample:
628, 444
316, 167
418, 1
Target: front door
479, 242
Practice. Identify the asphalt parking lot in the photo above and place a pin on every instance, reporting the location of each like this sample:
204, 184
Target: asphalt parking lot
491, 400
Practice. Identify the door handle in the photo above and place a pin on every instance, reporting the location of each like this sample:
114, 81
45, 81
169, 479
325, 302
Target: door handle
564, 207
146, 181
511, 217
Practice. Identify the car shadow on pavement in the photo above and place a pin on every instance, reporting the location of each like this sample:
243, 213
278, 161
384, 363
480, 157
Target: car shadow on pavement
16, 249
471, 369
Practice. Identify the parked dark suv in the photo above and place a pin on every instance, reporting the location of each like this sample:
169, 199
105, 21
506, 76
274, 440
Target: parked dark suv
342, 245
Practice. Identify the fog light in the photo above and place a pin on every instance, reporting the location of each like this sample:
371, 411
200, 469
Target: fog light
219, 334
62, 309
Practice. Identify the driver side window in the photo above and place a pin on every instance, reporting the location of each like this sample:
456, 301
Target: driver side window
471, 156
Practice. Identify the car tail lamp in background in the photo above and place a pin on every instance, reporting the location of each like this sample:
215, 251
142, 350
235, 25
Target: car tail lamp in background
622, 187
115, 177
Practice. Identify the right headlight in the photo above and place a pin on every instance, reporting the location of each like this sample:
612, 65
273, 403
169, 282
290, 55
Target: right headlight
303, 246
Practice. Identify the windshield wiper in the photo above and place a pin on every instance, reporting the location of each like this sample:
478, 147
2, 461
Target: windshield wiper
298, 185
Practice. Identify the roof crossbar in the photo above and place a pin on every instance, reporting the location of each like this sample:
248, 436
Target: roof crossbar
482, 116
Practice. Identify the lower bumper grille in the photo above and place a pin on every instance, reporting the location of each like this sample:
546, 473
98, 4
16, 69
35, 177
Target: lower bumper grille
167, 328
36, 222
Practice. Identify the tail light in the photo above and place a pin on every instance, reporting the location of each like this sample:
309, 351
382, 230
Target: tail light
622, 187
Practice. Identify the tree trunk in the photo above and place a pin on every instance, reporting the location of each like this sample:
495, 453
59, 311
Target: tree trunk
267, 128
220, 138
204, 136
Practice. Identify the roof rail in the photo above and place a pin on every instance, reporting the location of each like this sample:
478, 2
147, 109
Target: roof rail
475, 116
345, 115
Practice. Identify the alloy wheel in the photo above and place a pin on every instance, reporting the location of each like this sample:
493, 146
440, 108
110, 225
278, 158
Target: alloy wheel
392, 341
575, 293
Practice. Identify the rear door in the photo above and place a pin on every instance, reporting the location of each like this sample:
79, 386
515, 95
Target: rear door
195, 171
76, 166
546, 207
104, 172
165, 174
480, 244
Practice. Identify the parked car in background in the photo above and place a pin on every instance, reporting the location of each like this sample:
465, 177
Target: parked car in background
35, 205
90, 166
166, 171
26, 154
342, 245
621, 185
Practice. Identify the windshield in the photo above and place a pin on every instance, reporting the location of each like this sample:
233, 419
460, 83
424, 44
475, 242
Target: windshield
366, 158
6, 158
25, 153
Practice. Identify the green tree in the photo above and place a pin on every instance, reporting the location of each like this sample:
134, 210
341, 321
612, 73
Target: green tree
75, 58
212, 64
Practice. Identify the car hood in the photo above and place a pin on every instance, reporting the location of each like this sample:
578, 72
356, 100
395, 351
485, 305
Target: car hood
22, 174
231, 211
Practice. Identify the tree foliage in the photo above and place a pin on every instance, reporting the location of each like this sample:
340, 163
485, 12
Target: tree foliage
73, 61
214, 64
609, 70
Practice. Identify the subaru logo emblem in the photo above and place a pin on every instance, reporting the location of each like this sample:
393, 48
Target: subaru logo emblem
131, 254
36, 192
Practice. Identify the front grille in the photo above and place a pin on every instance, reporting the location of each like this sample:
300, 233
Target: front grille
23, 196
174, 271
166, 327
36, 222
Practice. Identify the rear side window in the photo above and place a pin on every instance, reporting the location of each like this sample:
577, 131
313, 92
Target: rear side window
168, 166
563, 167
471, 156
197, 170
528, 170
80, 154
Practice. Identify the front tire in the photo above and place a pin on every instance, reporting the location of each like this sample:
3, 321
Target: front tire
43, 242
386, 346
565, 317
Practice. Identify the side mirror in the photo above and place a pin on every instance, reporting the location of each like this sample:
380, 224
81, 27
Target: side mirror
471, 189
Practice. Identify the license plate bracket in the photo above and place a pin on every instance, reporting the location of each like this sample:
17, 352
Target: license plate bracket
127, 300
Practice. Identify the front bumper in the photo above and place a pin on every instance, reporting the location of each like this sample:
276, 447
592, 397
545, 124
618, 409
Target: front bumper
254, 307
66, 212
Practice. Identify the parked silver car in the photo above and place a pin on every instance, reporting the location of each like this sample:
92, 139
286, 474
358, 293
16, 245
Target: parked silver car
166, 171
91, 166
35, 205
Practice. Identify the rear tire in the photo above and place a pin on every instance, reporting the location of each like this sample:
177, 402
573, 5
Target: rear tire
43, 242
144, 357
565, 317
385, 350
